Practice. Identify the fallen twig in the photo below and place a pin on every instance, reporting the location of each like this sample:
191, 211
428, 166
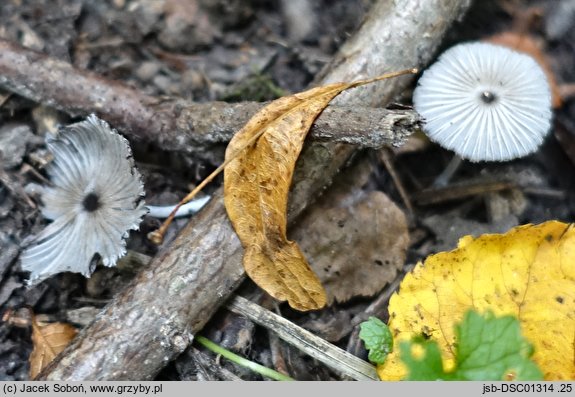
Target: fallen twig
323, 351
154, 319
175, 124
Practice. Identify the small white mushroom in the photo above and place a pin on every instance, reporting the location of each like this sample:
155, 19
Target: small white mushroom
485, 102
95, 200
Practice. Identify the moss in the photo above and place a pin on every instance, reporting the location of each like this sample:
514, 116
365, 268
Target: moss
257, 87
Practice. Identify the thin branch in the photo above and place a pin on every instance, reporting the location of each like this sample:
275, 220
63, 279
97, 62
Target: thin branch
175, 124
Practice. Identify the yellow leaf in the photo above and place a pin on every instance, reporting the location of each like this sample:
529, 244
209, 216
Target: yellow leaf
529, 272
48, 340
260, 163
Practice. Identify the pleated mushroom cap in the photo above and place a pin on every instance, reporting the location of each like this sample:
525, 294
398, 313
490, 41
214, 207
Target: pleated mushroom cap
485, 102
94, 201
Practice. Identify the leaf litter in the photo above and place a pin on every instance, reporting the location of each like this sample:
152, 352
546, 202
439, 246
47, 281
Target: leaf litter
356, 240
48, 339
259, 166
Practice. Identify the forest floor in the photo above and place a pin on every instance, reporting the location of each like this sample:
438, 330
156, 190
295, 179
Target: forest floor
257, 51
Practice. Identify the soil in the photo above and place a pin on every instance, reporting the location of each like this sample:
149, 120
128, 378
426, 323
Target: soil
255, 50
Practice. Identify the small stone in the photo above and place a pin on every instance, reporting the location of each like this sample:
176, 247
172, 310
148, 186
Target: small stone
13, 141
47, 119
83, 315
147, 70
6, 202
301, 19
193, 80
187, 28
162, 82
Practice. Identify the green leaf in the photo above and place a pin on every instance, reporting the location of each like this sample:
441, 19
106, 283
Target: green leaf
492, 348
423, 359
377, 338
487, 348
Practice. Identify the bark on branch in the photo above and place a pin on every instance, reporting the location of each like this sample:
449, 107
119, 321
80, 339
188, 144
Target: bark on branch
175, 124
155, 318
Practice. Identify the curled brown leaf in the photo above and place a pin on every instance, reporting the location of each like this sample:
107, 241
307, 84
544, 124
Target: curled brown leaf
260, 162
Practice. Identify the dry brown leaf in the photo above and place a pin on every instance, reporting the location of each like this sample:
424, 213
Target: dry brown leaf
262, 157
48, 340
366, 245
355, 240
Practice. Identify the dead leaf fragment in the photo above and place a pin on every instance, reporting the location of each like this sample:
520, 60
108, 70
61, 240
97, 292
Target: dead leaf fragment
527, 272
48, 340
261, 158
356, 240
363, 249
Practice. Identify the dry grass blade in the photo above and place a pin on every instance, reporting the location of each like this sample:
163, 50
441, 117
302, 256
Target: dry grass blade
332, 356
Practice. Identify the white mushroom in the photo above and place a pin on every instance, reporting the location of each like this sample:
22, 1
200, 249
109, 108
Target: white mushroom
485, 102
96, 198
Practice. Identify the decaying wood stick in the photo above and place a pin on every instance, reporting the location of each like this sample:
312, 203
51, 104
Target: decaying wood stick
331, 355
175, 124
303, 340
155, 318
